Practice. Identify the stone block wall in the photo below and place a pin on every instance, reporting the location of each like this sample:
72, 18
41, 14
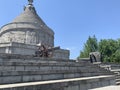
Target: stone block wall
27, 49
24, 68
64, 84
29, 33
61, 53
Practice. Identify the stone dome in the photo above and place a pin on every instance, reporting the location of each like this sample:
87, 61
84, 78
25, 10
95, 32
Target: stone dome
29, 15
27, 28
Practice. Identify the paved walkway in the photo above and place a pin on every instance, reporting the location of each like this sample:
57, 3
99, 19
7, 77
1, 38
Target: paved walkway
107, 88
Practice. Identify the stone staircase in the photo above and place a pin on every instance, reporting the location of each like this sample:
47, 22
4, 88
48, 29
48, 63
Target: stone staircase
115, 68
117, 73
19, 69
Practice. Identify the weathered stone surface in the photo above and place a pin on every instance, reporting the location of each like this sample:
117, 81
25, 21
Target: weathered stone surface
26, 30
52, 76
30, 68
24, 34
31, 78
10, 79
29, 49
64, 84
72, 88
68, 75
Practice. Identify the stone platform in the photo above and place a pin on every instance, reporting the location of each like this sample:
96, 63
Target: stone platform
15, 68
63, 84
29, 49
112, 87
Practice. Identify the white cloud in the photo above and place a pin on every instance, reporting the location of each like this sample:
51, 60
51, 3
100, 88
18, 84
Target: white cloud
71, 48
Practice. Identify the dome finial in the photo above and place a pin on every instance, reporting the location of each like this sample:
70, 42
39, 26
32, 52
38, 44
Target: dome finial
30, 2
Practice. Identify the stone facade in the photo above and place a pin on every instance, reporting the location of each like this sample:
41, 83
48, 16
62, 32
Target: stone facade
27, 33
15, 68
28, 49
64, 84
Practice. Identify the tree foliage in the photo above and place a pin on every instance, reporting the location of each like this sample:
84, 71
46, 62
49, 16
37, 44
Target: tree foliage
109, 49
91, 45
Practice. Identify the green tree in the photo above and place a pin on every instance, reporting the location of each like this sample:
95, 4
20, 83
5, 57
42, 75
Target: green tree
116, 56
91, 45
108, 49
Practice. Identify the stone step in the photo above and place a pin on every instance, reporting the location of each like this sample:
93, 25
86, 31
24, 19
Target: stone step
14, 69
16, 73
45, 64
115, 70
39, 63
86, 83
118, 80
117, 83
42, 72
96, 63
117, 76
29, 58
45, 68
42, 60
28, 76
42, 68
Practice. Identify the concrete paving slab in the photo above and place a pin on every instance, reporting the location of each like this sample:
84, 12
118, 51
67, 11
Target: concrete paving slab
108, 88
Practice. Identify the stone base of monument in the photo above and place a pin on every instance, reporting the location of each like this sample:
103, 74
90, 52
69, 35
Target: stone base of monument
85, 83
27, 49
16, 68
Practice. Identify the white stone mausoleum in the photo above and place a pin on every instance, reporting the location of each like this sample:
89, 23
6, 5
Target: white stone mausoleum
22, 35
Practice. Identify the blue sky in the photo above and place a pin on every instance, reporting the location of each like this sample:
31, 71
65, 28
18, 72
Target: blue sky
71, 20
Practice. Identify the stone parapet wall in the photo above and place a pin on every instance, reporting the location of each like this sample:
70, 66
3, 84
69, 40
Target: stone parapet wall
24, 68
17, 48
61, 53
112, 65
63, 84
27, 49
